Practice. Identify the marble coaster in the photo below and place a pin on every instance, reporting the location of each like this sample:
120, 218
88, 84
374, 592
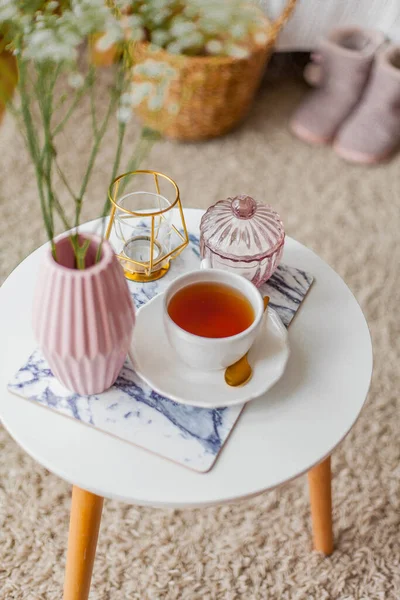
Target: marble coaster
131, 410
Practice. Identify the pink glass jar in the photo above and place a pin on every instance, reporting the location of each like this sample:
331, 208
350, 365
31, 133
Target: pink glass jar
243, 236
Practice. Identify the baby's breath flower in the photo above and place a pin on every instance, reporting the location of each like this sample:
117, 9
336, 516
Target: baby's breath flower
160, 37
156, 102
8, 10
25, 20
260, 37
175, 48
124, 114
238, 31
53, 35
150, 68
197, 27
160, 16
49, 34
238, 51
192, 40
190, 11
52, 5
180, 27
126, 99
136, 35
76, 80
214, 47
46, 45
104, 42
141, 91
133, 21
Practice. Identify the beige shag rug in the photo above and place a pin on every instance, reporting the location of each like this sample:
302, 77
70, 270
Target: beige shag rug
258, 549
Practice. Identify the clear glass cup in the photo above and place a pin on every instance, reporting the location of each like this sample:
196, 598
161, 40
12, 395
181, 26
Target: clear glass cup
144, 239
146, 228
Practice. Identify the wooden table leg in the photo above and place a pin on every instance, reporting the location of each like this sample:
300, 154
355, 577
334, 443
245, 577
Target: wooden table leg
319, 481
83, 533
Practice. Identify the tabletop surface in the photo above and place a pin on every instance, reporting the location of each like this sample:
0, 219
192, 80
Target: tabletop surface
278, 436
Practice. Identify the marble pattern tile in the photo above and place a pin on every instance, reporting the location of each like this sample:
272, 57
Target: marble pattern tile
131, 410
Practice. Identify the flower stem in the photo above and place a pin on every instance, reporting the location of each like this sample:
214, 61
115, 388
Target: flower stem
32, 144
78, 95
92, 158
117, 161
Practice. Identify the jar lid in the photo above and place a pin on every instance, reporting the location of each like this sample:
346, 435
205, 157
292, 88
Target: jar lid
241, 228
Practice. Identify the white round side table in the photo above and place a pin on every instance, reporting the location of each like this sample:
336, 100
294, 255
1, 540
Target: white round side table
291, 430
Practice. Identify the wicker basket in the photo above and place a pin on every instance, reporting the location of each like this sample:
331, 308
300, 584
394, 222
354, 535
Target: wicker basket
213, 93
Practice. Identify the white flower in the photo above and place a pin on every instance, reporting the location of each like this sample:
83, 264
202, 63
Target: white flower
135, 35
8, 10
238, 51
141, 91
210, 27
160, 37
124, 114
238, 31
160, 17
52, 5
214, 47
150, 68
190, 11
106, 41
25, 21
261, 37
76, 80
156, 102
133, 21
175, 48
218, 14
126, 99
181, 28
91, 16
56, 37
47, 44
192, 40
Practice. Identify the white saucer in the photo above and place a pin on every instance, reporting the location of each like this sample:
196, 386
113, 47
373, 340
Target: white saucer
157, 364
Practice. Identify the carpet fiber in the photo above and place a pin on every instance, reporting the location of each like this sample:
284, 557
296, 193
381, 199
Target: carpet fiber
258, 549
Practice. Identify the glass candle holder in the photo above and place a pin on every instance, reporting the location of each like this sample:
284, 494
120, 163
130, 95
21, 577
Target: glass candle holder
141, 226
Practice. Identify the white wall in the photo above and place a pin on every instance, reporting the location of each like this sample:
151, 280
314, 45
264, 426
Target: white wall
313, 19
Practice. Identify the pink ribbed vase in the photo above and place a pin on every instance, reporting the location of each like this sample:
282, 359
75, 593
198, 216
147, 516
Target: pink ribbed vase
83, 319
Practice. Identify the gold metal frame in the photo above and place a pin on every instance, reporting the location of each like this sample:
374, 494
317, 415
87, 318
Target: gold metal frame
148, 270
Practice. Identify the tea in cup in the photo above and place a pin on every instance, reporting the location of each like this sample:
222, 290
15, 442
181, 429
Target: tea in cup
212, 317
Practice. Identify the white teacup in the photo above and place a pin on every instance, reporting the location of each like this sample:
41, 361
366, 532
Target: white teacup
212, 354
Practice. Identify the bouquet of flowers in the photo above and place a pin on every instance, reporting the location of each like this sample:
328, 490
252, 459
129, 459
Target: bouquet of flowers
199, 27
47, 38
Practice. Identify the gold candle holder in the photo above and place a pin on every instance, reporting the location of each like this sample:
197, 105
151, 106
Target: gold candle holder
141, 228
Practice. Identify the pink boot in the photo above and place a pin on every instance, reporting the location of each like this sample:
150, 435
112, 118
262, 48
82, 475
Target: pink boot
372, 133
345, 58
